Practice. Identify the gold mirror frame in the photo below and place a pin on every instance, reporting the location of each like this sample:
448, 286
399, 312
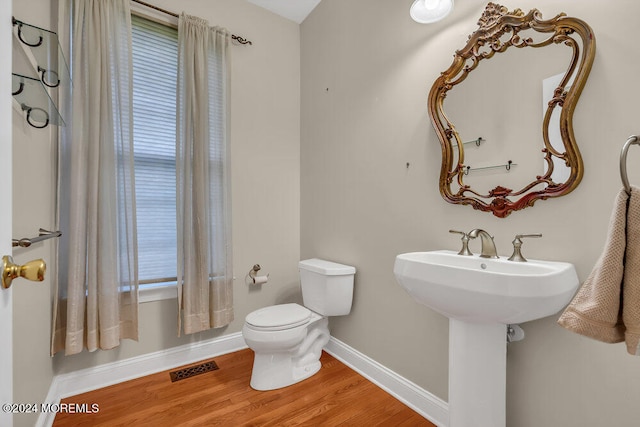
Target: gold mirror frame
495, 23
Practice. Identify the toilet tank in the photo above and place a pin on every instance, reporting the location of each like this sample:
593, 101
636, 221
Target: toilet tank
327, 287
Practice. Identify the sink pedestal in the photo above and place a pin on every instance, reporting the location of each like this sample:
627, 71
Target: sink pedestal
477, 374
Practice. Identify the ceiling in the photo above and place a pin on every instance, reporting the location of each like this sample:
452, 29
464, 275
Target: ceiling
294, 10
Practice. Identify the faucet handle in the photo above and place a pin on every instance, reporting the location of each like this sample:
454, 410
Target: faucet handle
465, 242
517, 244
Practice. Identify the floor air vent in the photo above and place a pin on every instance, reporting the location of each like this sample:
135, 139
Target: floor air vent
192, 371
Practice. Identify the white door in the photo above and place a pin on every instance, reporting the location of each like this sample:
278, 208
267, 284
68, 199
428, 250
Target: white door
6, 112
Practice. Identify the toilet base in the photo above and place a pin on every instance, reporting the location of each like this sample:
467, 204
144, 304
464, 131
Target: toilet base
268, 372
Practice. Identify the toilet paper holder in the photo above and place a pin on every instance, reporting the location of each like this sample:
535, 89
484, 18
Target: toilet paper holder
253, 275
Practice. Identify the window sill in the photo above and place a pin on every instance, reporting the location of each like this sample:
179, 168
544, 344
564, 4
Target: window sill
157, 293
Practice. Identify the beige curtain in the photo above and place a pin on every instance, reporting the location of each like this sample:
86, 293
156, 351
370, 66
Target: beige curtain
205, 292
96, 304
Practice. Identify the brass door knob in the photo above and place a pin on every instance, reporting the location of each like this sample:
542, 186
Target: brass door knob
33, 270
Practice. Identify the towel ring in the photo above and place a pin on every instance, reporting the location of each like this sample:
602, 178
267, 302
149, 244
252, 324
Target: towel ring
632, 140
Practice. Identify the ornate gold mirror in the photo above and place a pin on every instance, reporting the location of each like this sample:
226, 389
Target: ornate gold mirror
513, 115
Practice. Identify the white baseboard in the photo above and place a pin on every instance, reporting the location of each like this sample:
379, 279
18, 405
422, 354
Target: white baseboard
420, 400
89, 379
84, 380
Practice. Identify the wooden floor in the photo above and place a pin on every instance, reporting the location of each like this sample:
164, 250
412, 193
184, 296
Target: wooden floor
335, 396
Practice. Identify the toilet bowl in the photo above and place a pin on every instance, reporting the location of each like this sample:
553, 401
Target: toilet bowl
288, 339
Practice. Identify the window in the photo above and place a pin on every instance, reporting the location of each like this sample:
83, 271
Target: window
155, 68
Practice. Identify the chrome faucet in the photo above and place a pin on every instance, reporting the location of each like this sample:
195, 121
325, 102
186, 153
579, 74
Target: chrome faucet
488, 245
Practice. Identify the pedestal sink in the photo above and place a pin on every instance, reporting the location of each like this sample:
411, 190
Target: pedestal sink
481, 296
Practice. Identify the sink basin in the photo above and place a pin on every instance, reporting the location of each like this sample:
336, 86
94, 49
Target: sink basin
475, 289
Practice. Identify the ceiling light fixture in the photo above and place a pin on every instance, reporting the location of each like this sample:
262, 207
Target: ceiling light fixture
429, 11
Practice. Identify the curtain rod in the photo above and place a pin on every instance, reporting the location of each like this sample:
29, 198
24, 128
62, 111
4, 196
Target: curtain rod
239, 39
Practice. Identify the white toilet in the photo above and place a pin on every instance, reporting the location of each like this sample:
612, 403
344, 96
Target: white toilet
288, 338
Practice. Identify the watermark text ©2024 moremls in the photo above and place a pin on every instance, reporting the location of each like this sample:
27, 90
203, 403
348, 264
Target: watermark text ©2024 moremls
67, 408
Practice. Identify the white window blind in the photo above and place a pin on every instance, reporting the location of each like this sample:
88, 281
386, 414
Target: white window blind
155, 67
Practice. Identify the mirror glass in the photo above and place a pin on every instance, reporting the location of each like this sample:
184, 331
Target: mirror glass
503, 110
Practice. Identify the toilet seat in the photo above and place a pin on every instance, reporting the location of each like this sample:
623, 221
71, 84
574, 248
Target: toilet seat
278, 317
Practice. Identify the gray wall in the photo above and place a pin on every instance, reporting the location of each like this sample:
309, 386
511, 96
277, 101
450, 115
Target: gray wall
366, 72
